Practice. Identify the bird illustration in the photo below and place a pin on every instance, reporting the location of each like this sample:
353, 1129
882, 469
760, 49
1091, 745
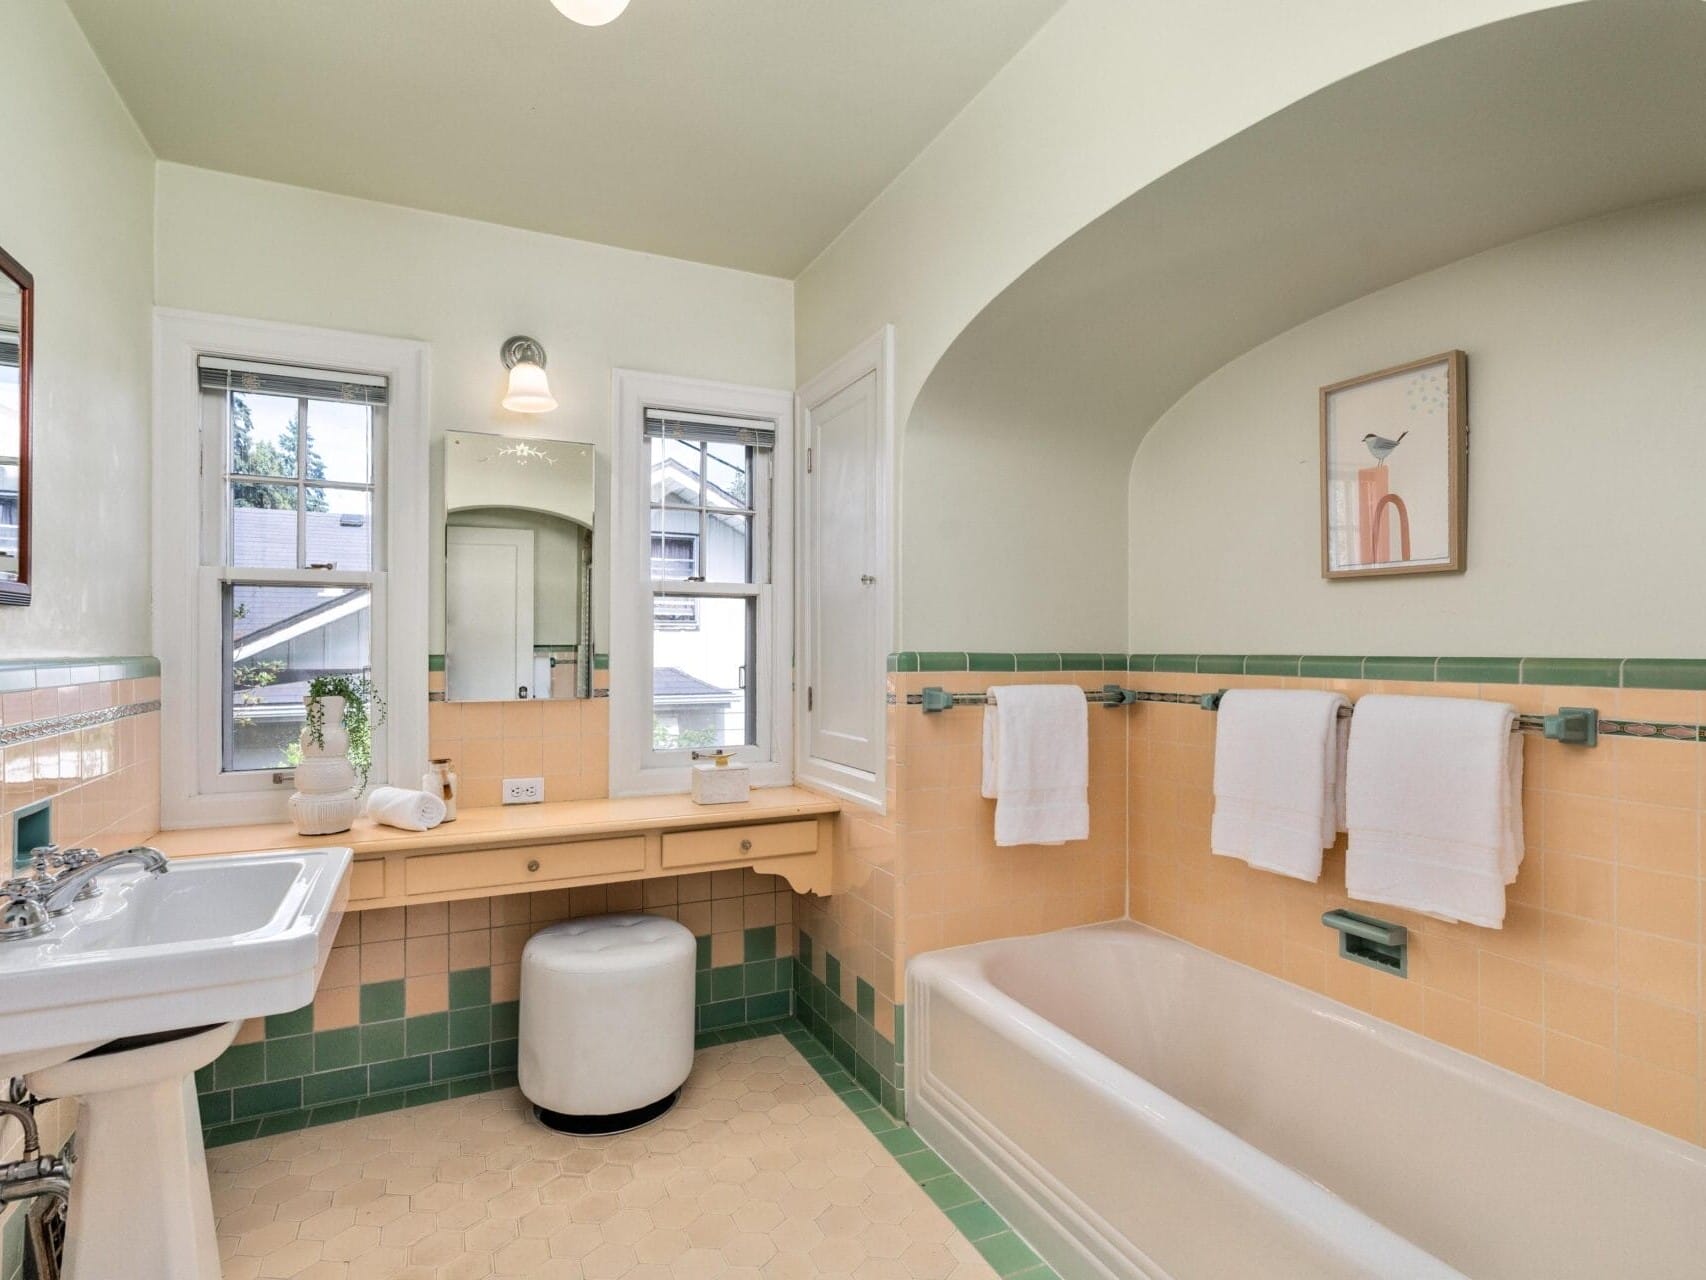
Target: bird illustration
1381, 447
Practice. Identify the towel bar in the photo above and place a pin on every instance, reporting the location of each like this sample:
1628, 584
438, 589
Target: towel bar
1578, 726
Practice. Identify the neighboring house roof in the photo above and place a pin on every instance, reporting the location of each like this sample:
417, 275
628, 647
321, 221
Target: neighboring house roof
673, 684
261, 536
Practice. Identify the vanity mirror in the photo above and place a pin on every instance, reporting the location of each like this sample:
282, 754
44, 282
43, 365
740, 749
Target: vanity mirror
517, 568
17, 290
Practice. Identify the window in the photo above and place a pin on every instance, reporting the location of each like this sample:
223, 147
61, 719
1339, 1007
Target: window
702, 637
289, 512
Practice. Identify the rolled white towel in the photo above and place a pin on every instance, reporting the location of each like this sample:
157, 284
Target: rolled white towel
410, 810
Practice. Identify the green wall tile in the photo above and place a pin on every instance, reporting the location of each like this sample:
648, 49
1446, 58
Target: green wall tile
1220, 664
506, 1020
461, 1062
337, 1048
1140, 662
990, 662
289, 1056
1398, 668
906, 661
1176, 662
1271, 664
383, 1041
1084, 662
1038, 662
298, 1022
1330, 668
426, 1033
470, 987
334, 1086
381, 1001
470, 1026
865, 997
215, 1108
760, 943
241, 1064
728, 982
263, 1099
942, 661
1600, 672
1664, 673
976, 1221
1007, 1253
1479, 670
400, 1073
1116, 662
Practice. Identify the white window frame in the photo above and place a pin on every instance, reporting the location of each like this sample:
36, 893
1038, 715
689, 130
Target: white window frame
875, 356
636, 767
187, 610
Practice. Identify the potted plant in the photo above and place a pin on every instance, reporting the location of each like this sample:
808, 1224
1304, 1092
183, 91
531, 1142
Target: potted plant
336, 752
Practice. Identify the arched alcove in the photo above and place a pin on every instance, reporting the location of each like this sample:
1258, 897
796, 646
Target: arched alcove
1018, 449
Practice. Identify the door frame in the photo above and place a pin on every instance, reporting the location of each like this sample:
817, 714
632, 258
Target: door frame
875, 355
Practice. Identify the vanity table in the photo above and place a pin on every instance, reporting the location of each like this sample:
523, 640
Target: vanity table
487, 852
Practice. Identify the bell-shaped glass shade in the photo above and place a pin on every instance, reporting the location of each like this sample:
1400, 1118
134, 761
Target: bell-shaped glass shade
591, 13
528, 392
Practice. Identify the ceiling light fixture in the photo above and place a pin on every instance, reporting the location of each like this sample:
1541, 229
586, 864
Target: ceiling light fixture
529, 392
591, 13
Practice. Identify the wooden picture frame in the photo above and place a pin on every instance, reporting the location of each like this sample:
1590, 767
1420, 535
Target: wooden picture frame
15, 584
1388, 509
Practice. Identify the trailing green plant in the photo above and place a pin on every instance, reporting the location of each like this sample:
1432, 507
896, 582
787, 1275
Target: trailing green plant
364, 711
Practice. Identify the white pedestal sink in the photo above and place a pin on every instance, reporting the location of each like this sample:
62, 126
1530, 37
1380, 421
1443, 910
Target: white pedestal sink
125, 1000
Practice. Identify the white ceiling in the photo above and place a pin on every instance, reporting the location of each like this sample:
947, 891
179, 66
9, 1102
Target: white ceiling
746, 133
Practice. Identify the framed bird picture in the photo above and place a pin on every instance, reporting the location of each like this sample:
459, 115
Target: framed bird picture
1395, 470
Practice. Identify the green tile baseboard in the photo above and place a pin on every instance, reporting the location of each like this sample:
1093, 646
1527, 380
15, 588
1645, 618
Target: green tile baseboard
297, 1076
1608, 673
849, 1032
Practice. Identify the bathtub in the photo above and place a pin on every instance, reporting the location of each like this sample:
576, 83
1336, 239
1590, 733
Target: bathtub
1139, 1107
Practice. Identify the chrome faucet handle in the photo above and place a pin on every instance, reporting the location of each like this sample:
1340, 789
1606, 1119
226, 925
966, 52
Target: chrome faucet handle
42, 859
37, 889
70, 860
23, 918
69, 887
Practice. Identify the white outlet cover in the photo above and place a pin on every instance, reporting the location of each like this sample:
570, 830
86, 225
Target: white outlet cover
524, 790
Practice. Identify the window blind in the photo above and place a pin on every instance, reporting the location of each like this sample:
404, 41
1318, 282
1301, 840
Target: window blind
8, 349
219, 373
704, 428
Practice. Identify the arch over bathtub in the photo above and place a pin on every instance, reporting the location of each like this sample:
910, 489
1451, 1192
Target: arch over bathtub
1018, 447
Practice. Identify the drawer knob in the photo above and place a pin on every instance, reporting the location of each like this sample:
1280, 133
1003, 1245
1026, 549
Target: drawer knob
533, 864
746, 846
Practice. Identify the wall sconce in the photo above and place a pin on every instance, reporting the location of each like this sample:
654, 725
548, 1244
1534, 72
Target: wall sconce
529, 392
591, 13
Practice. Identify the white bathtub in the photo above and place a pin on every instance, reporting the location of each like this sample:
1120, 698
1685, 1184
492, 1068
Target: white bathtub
1137, 1106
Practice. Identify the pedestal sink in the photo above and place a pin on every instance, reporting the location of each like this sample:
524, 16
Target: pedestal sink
124, 1000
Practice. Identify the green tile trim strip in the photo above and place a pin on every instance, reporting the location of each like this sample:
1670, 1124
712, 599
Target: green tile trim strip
13, 735
1608, 673
297, 1076
975, 1219
848, 1032
20, 675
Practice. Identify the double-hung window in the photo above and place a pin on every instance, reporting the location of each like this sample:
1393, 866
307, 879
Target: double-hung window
290, 543
290, 498
702, 627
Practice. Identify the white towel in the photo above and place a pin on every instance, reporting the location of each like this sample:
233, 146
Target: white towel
1433, 801
1036, 763
1278, 778
410, 810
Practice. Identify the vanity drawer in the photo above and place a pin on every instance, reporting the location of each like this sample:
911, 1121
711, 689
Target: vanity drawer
735, 844
367, 879
489, 868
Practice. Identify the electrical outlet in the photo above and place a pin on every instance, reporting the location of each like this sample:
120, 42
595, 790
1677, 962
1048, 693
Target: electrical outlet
524, 790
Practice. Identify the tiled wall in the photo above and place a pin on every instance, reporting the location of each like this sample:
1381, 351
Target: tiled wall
84, 735
928, 874
1593, 986
564, 741
420, 1003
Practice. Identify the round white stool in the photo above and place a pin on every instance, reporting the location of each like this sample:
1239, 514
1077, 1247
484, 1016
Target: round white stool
606, 1021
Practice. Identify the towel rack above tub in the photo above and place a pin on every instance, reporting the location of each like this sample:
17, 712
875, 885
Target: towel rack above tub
1578, 726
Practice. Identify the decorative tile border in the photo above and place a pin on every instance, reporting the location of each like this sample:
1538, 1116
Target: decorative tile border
849, 1033
297, 1076
1608, 673
20, 676
13, 735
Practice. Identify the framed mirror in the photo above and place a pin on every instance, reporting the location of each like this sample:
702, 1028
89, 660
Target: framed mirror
17, 292
517, 568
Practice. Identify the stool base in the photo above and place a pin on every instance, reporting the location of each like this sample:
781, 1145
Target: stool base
600, 1126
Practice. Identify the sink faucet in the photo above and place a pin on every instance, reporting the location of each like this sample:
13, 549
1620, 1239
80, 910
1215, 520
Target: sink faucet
66, 888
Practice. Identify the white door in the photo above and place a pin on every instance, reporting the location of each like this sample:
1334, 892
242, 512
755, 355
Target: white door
846, 590
488, 614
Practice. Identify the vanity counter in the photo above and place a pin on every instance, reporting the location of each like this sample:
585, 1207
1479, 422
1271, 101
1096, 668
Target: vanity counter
782, 831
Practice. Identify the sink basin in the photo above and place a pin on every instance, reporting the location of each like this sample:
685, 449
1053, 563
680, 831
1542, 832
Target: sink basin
212, 940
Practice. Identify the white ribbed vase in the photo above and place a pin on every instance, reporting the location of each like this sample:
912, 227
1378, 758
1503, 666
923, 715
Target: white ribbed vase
325, 801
